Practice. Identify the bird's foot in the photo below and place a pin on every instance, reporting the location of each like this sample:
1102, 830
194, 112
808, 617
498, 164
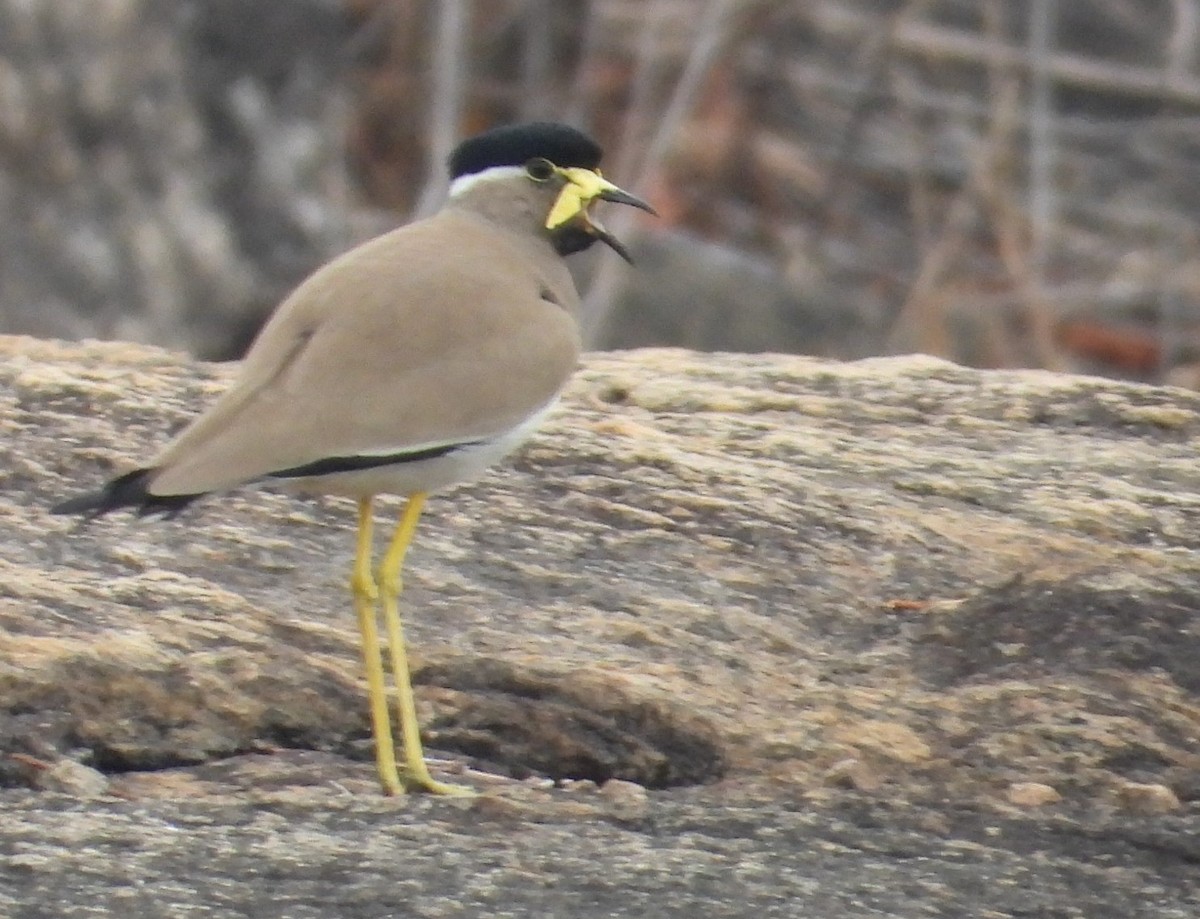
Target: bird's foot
420, 781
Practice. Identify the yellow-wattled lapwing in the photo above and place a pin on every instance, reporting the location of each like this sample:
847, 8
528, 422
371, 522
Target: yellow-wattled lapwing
408, 364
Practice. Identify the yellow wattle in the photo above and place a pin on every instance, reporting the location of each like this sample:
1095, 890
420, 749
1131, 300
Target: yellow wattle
582, 186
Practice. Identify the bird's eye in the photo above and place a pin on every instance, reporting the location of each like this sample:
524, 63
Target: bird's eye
539, 169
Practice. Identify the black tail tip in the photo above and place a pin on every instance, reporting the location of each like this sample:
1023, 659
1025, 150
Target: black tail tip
129, 490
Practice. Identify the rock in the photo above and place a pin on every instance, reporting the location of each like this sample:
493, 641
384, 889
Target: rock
580, 786
1032, 794
753, 520
64, 776
1147, 798
166, 171
712, 297
628, 800
853, 774
894, 741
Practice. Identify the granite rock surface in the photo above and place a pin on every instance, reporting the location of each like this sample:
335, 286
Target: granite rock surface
734, 636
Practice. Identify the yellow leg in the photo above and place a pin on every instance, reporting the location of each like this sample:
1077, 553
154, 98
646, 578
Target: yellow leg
365, 594
416, 773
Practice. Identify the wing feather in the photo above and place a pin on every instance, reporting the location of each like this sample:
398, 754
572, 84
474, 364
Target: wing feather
435, 333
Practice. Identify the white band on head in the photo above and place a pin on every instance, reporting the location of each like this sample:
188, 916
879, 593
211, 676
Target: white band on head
460, 185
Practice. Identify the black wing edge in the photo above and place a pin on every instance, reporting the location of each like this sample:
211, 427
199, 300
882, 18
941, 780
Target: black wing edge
130, 491
335, 464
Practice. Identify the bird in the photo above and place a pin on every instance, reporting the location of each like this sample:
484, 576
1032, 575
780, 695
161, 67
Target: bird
411, 363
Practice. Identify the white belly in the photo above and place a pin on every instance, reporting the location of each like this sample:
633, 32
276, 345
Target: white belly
461, 465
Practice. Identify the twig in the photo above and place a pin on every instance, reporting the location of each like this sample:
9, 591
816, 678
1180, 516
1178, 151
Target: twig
1043, 196
445, 109
1067, 69
1181, 47
1043, 203
647, 73
579, 106
920, 321
711, 33
867, 97
536, 59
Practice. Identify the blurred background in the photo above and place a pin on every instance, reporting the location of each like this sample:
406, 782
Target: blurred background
1000, 182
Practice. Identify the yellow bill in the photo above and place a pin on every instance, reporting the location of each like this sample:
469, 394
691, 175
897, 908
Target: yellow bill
583, 186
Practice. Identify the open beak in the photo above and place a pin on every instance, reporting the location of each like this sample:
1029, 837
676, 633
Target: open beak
609, 240
619, 196
584, 186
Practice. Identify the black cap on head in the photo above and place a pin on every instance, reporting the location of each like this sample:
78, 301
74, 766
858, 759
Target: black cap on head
516, 145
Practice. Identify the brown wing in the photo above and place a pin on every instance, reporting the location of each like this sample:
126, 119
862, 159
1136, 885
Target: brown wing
441, 332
